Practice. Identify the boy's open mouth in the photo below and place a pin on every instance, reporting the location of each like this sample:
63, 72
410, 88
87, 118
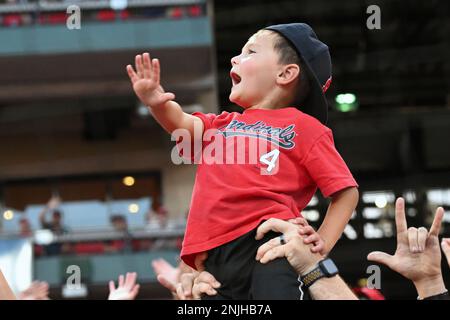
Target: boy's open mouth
235, 78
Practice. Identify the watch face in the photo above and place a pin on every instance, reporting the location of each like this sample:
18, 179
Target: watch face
328, 267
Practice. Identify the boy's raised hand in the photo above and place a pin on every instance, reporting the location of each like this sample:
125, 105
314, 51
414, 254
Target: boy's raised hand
146, 81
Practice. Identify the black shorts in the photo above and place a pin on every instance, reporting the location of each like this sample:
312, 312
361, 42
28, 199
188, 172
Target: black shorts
242, 277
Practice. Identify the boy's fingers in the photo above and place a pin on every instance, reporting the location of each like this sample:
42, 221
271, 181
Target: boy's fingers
308, 240
306, 230
139, 66
147, 66
156, 70
317, 244
318, 247
302, 221
312, 238
299, 221
133, 76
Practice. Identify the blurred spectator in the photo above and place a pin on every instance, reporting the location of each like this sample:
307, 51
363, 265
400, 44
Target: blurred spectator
106, 15
157, 213
153, 12
53, 18
195, 11
127, 288
101, 14
176, 13
156, 217
12, 20
119, 223
55, 225
25, 228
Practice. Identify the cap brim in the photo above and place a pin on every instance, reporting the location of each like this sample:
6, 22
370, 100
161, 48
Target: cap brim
315, 104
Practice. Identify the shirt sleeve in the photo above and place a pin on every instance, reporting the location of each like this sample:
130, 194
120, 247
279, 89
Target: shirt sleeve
208, 120
327, 168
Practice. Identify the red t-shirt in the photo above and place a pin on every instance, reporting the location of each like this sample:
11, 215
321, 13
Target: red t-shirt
230, 200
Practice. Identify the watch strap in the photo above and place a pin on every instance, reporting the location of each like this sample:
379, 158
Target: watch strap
312, 277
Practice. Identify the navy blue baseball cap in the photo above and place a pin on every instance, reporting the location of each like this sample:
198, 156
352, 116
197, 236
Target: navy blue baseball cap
316, 57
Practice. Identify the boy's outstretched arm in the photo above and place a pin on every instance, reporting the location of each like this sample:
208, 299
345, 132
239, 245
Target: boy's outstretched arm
146, 85
339, 212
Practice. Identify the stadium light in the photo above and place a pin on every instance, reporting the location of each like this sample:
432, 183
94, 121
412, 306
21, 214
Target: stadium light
8, 215
346, 102
133, 208
128, 181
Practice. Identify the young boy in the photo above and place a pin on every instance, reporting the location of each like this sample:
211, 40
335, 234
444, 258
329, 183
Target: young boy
279, 79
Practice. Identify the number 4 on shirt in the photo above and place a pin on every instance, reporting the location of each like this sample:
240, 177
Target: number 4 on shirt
270, 159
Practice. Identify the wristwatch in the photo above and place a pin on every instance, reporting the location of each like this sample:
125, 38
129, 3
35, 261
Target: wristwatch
325, 269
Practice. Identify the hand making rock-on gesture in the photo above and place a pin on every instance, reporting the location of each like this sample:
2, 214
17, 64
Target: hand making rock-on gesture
418, 255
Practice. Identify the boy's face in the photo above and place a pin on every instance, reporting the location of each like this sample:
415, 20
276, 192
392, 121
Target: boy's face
254, 71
